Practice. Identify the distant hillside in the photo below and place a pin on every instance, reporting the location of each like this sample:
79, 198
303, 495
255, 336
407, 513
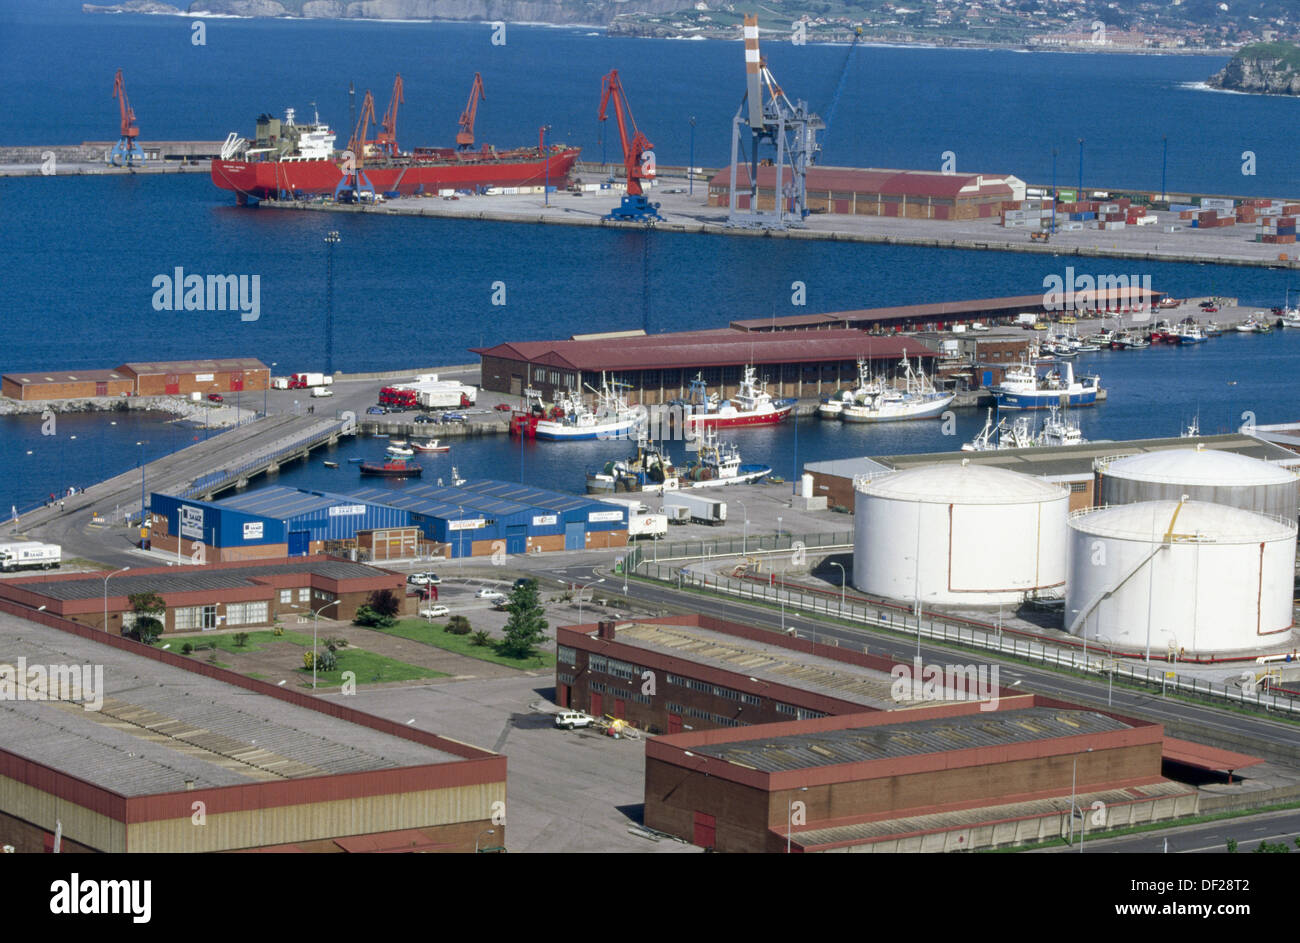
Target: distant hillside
598, 12
1265, 68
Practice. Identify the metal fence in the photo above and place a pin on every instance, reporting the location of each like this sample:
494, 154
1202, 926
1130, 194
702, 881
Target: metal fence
217, 479
705, 548
793, 602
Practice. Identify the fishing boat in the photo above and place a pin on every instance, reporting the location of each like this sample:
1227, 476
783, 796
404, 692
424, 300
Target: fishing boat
751, 405
1212, 329
1024, 387
917, 399
400, 451
400, 443
719, 464
331, 464
833, 407
1190, 334
355, 461
647, 469
392, 468
1058, 429
433, 445
572, 420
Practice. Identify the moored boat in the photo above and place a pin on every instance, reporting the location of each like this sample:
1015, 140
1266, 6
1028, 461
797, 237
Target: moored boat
719, 464
1024, 387
433, 445
751, 405
393, 468
917, 399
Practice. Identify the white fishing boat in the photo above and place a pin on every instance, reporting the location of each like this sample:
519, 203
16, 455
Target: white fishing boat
1058, 429
400, 451
833, 407
432, 445
1024, 387
917, 399
571, 419
719, 464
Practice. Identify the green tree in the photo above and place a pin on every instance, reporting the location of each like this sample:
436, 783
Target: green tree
481, 637
385, 602
458, 625
526, 627
147, 606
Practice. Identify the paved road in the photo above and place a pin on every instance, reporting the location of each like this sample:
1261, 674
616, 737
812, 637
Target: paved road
1206, 838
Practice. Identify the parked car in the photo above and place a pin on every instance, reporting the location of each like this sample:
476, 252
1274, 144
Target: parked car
489, 593
434, 612
216, 397
453, 417
424, 419
418, 579
571, 719
503, 407
375, 411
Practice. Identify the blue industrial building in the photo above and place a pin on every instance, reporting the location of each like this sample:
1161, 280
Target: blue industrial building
472, 519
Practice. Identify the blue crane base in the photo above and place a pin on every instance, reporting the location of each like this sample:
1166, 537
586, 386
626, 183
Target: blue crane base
126, 152
634, 209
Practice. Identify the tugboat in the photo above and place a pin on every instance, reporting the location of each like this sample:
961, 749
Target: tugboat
719, 464
648, 469
392, 468
751, 406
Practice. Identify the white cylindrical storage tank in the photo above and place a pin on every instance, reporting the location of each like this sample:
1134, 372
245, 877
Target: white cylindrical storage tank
1222, 581
1201, 474
958, 534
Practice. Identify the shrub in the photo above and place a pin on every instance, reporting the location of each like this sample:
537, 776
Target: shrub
458, 625
240, 639
187, 649
325, 661
480, 638
385, 602
146, 630
368, 616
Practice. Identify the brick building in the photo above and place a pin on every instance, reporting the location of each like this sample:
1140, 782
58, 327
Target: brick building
164, 378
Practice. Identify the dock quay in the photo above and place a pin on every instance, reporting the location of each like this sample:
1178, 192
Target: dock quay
687, 213
200, 471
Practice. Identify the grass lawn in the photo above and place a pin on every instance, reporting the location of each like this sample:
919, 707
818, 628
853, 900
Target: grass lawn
369, 668
419, 630
226, 642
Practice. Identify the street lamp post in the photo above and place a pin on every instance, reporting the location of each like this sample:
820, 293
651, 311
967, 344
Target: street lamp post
315, 623
1080, 196
1054, 190
331, 240
592, 583
141, 463
844, 578
546, 190
690, 171
1073, 780
106, 579
1164, 166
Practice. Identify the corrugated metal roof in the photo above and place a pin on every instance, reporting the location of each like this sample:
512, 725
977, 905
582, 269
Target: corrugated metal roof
193, 366
698, 349
189, 580
74, 376
496, 498
889, 741
869, 180
160, 726
283, 503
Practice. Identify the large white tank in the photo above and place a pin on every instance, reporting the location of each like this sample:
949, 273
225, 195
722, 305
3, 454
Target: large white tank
1221, 582
1201, 474
958, 534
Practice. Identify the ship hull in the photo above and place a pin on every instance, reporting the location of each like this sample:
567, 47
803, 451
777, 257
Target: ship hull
1046, 399
269, 180
899, 414
725, 421
559, 432
748, 475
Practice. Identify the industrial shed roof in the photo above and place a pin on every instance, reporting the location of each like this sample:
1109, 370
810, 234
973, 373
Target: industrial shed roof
191, 579
193, 366
74, 376
907, 738
160, 726
912, 183
696, 349
497, 498
283, 503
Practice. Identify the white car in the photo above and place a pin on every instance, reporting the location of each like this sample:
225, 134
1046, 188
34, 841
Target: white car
571, 719
418, 579
486, 593
435, 612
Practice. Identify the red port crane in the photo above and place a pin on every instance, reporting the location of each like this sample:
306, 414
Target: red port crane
357, 143
465, 137
638, 154
386, 141
126, 150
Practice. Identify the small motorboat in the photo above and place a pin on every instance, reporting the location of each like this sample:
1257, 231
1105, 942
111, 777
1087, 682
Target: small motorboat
393, 468
400, 451
400, 443
433, 445
331, 464
355, 461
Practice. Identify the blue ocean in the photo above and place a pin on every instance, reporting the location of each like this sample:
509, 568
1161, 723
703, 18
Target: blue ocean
82, 252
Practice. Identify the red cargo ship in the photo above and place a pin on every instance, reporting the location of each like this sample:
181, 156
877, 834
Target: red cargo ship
289, 161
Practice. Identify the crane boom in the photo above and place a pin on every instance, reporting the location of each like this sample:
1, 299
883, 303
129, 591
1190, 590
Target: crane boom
465, 137
126, 150
387, 138
638, 153
357, 143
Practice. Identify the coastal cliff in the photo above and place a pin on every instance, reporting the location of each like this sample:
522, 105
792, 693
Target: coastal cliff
587, 12
1263, 68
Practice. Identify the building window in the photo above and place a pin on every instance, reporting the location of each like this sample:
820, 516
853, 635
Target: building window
597, 663
753, 699
1078, 487
286, 597
246, 613
598, 687
195, 617
696, 712
638, 697
676, 679
702, 686
622, 669
566, 654
725, 721
675, 708
564, 678
304, 595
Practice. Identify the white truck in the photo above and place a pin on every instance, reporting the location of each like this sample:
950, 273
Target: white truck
279, 383
321, 391
703, 509
303, 381
641, 521
29, 555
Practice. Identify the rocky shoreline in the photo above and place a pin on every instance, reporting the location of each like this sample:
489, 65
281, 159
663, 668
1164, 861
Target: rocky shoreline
184, 410
1267, 69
